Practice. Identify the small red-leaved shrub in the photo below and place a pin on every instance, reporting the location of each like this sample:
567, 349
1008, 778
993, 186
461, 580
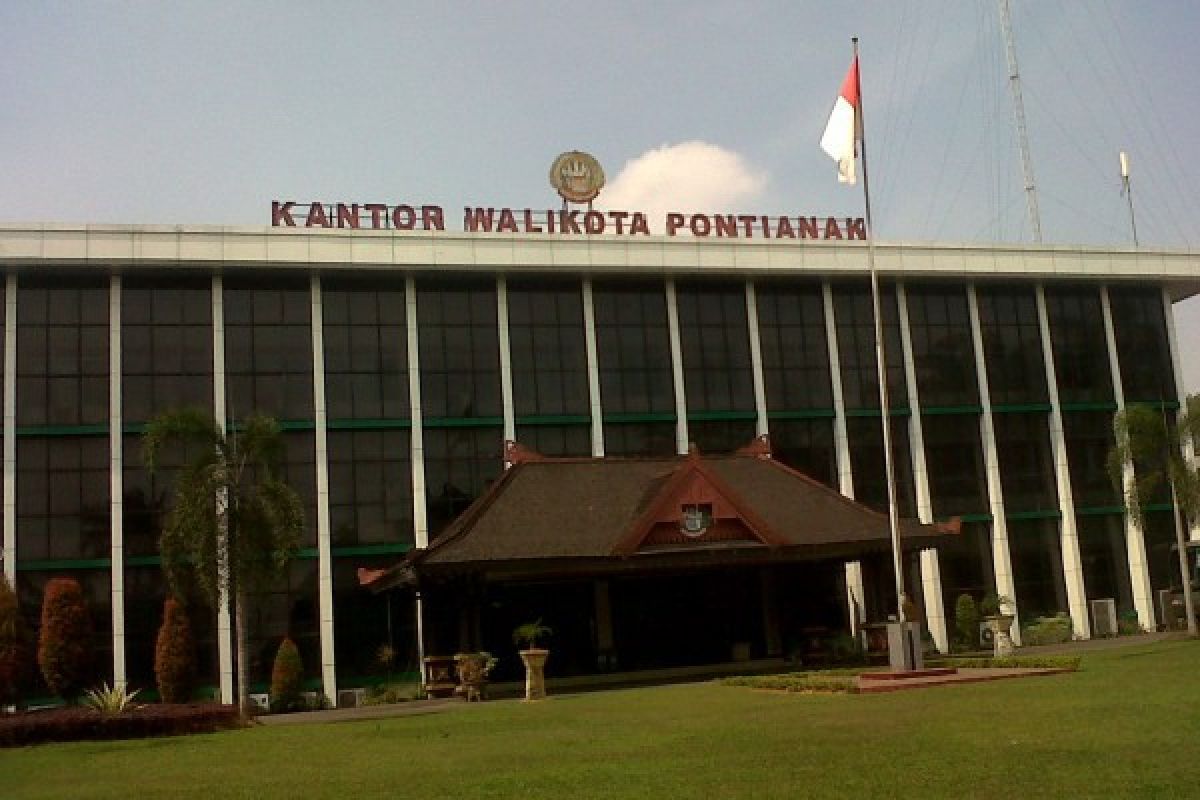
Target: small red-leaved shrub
74, 724
174, 654
65, 646
16, 655
287, 678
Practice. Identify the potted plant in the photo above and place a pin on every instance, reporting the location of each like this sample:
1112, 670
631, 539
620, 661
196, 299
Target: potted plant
998, 611
472, 670
533, 657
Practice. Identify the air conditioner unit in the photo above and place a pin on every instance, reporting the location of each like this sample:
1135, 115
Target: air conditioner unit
987, 636
1171, 610
1104, 617
350, 698
262, 700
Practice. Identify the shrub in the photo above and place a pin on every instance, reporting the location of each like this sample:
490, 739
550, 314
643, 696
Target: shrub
74, 724
1047, 630
966, 622
1129, 624
15, 652
65, 646
174, 654
286, 679
845, 648
1012, 662
388, 693
803, 682
110, 700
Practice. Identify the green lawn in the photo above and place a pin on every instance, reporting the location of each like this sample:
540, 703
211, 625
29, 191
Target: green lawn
1127, 725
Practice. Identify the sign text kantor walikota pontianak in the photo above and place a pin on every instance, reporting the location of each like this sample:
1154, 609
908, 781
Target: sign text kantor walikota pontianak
380, 216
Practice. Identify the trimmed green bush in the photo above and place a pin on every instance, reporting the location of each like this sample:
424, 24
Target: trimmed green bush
1047, 630
74, 724
65, 645
287, 678
16, 654
175, 654
966, 622
803, 682
1014, 662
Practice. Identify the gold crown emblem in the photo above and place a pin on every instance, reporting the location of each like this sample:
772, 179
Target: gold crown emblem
577, 176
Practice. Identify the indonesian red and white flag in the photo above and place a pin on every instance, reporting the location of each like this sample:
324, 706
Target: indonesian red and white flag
842, 129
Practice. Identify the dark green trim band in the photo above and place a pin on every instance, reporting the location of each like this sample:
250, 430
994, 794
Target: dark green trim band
1022, 408
368, 424
1157, 405
649, 416
721, 416
875, 412
555, 419
811, 413
51, 564
946, 411
1097, 511
1049, 513
463, 422
100, 429
372, 549
1107, 405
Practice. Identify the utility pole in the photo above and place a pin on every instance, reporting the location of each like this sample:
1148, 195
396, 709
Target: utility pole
1127, 190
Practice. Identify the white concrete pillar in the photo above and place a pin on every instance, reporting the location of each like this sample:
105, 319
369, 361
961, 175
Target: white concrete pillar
681, 421
761, 427
856, 598
10, 429
1181, 394
416, 432
931, 586
506, 386
593, 370
1135, 542
224, 619
324, 537
841, 438
116, 482
931, 580
1001, 554
1073, 576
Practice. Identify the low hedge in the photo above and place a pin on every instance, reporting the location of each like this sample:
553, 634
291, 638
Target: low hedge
815, 682
76, 724
1014, 662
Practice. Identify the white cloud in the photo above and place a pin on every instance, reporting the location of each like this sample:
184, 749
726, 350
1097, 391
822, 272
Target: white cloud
686, 177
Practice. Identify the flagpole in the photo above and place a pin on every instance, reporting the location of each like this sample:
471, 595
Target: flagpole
880, 361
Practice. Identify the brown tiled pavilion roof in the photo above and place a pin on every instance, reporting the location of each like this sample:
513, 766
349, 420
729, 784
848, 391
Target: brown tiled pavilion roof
568, 509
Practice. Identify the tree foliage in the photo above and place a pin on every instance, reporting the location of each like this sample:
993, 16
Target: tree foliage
1154, 446
234, 520
287, 678
65, 645
235, 523
16, 655
175, 654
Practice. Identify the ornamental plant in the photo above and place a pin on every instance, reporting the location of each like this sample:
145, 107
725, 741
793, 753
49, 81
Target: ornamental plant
65, 645
529, 634
15, 651
966, 622
286, 679
175, 654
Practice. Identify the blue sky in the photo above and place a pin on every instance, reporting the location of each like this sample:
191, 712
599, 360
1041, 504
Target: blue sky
195, 113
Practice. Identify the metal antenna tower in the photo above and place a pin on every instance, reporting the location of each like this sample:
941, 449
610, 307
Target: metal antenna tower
1014, 83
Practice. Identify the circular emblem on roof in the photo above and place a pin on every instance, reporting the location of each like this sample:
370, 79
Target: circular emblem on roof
577, 176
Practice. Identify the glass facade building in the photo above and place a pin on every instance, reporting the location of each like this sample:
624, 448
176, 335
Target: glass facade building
398, 371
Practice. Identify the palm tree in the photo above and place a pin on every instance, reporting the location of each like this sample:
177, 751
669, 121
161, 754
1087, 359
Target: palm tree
235, 524
1146, 441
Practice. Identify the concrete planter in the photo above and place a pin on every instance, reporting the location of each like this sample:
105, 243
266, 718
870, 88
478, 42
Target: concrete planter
535, 672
